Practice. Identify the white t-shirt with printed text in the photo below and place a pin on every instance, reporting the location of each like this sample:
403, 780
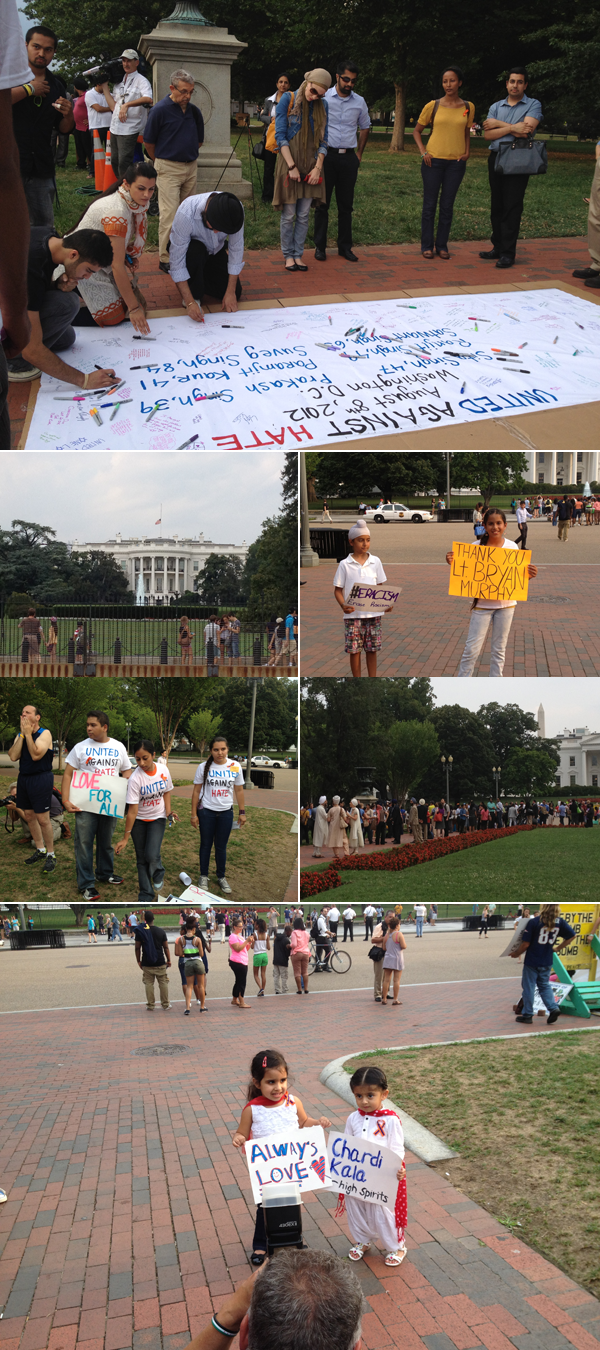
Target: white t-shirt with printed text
108, 756
222, 778
352, 573
148, 791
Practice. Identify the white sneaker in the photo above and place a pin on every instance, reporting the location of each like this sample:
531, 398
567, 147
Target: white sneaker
225, 887
3, 1196
203, 883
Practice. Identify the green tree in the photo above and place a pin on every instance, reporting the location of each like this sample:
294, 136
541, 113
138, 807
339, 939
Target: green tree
410, 748
271, 570
171, 701
491, 473
528, 771
61, 703
202, 726
345, 725
462, 734
86, 37
571, 59
220, 582
34, 562
510, 727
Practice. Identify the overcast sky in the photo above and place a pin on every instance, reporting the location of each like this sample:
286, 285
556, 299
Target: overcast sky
91, 497
567, 703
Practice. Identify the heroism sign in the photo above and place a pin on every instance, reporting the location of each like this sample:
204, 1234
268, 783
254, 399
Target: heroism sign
322, 374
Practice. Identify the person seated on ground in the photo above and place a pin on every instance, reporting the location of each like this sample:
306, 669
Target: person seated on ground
207, 251
55, 267
14, 812
121, 213
300, 1300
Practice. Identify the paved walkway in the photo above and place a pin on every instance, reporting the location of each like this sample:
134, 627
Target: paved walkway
129, 1216
556, 632
381, 268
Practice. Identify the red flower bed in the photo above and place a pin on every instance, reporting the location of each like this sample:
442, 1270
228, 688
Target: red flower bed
409, 855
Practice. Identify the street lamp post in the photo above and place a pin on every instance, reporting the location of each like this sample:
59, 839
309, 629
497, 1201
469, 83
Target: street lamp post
308, 557
497, 772
447, 765
128, 729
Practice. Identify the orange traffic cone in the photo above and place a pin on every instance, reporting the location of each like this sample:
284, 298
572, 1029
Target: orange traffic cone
109, 176
98, 162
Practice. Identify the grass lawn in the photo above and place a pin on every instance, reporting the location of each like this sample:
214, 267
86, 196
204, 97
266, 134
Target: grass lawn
266, 835
389, 197
532, 868
525, 1119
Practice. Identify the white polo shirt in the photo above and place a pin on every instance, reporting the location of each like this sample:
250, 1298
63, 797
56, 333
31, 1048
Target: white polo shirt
352, 573
131, 86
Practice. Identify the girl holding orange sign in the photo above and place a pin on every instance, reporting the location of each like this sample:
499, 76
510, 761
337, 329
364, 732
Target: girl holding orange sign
498, 613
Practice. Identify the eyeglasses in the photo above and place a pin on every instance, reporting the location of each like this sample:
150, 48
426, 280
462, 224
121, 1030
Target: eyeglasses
348, 79
313, 91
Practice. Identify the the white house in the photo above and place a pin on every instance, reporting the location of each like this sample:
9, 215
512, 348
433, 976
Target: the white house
579, 758
561, 468
167, 566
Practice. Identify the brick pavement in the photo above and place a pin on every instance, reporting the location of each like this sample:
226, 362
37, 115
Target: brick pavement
556, 632
381, 268
129, 1216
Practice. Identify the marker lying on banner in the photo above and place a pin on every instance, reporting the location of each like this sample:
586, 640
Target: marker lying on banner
143, 338
232, 325
154, 366
96, 416
555, 340
116, 405
467, 356
501, 351
185, 444
522, 345
472, 319
406, 306
463, 387
204, 397
152, 412
519, 370
579, 325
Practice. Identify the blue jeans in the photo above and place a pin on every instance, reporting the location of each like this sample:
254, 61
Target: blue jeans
87, 828
537, 978
235, 644
446, 174
294, 227
40, 200
215, 828
147, 838
116, 933
419, 923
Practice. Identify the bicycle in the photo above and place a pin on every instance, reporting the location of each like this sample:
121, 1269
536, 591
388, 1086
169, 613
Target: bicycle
339, 962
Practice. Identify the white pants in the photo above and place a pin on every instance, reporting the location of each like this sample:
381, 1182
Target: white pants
368, 1222
501, 620
221, 931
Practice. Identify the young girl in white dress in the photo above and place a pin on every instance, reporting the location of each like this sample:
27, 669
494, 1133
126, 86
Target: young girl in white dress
371, 1120
270, 1109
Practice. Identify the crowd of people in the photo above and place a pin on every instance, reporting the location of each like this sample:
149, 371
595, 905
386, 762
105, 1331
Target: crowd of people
218, 784
346, 828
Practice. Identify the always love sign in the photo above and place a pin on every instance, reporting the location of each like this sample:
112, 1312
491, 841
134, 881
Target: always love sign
102, 794
485, 573
373, 597
299, 1157
363, 1169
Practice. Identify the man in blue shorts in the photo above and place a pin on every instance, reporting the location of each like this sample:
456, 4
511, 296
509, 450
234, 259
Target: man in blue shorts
538, 941
32, 750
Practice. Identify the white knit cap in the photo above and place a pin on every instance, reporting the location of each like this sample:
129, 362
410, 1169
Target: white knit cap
321, 800
354, 802
361, 527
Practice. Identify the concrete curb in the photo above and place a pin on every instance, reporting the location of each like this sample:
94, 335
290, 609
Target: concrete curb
420, 1141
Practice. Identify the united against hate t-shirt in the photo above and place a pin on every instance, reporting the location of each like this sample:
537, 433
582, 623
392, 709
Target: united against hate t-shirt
149, 790
108, 756
222, 778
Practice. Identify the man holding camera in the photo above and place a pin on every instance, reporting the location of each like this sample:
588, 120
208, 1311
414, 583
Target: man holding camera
32, 750
129, 104
39, 108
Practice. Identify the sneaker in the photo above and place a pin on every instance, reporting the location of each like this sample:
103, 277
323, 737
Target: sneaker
523, 1018
3, 1196
553, 1017
203, 883
225, 887
20, 369
91, 894
115, 881
35, 857
50, 863
167, 1007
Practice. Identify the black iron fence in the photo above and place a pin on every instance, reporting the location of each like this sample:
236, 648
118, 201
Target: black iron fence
140, 635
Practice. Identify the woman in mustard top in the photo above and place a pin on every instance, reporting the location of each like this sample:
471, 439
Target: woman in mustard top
444, 160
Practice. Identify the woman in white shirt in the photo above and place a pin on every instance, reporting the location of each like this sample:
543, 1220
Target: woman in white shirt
498, 613
148, 808
216, 782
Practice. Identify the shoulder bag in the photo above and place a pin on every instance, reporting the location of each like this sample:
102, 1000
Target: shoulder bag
522, 155
376, 954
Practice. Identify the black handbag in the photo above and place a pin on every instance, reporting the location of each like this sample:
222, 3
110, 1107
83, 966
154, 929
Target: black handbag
258, 149
376, 954
522, 155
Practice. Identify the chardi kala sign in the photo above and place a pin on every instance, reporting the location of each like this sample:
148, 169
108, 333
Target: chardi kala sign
101, 794
363, 1169
373, 597
484, 573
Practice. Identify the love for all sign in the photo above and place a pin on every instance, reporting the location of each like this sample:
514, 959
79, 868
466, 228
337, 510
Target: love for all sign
484, 573
102, 794
363, 1169
373, 597
299, 1157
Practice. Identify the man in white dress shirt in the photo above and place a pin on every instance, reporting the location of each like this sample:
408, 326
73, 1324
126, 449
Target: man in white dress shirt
522, 517
348, 127
207, 251
129, 104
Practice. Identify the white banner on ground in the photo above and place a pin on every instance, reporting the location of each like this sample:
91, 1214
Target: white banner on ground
363, 1169
319, 375
102, 794
560, 992
299, 1157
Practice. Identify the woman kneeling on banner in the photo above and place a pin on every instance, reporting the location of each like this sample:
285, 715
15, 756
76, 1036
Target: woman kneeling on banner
301, 135
111, 294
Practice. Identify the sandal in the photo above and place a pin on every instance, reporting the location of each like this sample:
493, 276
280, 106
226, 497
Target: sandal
357, 1253
396, 1003
395, 1258
428, 253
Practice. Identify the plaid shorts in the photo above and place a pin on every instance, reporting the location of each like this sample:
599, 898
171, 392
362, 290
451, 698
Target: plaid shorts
362, 635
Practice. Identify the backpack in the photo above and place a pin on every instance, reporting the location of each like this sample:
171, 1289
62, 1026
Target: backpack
145, 936
314, 932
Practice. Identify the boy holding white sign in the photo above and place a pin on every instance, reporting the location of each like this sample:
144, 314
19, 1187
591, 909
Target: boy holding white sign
371, 1122
360, 568
99, 753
